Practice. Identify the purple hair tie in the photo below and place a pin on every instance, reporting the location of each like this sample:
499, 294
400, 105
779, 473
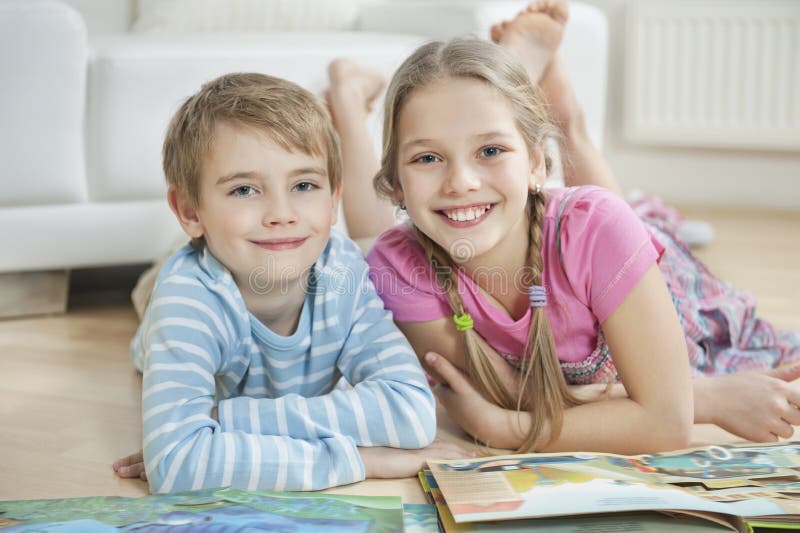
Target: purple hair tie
538, 295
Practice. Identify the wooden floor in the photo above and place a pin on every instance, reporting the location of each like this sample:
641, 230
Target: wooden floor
70, 400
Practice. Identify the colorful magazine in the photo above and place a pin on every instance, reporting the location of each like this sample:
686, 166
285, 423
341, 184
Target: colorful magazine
210, 510
724, 486
639, 522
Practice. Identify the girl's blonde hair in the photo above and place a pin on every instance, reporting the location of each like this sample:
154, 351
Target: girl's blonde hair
544, 390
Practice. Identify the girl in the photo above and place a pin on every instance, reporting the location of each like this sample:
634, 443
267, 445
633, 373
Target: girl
513, 296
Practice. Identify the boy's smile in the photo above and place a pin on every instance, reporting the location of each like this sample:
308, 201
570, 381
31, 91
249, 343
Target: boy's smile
281, 244
265, 212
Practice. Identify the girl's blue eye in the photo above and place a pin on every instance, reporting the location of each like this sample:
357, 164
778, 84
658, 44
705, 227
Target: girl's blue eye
427, 158
491, 151
243, 190
305, 186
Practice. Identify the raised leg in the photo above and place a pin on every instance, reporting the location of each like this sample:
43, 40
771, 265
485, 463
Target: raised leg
535, 35
351, 95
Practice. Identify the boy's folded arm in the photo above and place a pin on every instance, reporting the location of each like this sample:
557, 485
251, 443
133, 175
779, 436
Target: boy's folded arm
389, 404
185, 448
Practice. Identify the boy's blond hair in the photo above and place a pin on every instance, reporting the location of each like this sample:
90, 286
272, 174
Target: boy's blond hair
289, 115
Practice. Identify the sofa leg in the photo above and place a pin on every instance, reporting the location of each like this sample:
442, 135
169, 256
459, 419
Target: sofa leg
33, 293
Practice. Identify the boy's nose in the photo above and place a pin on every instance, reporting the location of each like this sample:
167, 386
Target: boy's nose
279, 212
461, 178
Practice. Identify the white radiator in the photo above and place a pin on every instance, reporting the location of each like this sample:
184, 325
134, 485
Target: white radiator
719, 73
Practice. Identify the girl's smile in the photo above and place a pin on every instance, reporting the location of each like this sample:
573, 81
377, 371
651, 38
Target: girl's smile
464, 217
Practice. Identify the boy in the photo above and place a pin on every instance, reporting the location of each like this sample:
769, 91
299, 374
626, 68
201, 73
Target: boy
251, 326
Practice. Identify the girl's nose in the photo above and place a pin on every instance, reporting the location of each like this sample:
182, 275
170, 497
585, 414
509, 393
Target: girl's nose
461, 178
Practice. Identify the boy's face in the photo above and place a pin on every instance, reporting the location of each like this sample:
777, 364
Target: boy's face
266, 213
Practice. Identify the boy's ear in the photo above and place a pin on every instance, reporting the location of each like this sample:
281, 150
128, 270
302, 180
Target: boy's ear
538, 167
337, 196
185, 213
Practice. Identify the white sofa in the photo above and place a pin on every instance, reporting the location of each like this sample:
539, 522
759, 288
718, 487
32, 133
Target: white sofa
83, 111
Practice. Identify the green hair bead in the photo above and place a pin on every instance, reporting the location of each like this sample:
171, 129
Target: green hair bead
463, 322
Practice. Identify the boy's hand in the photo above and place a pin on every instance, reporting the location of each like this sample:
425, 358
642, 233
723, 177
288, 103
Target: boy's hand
133, 465
382, 462
130, 466
758, 406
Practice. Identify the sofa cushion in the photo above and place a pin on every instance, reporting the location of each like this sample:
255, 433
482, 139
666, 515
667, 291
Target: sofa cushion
43, 93
137, 82
245, 15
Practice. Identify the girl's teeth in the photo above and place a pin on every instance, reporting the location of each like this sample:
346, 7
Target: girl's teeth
470, 213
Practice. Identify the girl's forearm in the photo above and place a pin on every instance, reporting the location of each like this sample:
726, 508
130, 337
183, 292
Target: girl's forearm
618, 425
704, 398
702, 388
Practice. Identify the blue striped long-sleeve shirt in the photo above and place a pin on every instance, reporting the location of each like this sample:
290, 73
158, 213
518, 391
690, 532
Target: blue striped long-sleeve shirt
284, 423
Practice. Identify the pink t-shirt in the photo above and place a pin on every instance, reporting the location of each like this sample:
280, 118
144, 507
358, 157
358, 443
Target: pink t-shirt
606, 250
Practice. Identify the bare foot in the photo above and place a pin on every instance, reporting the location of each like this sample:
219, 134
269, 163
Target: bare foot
352, 92
534, 34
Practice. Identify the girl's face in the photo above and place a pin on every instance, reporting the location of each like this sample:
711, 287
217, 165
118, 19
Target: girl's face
464, 169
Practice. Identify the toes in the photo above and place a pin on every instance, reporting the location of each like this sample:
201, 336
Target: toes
558, 10
494, 33
338, 69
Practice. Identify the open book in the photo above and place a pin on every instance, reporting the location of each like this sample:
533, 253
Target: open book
715, 488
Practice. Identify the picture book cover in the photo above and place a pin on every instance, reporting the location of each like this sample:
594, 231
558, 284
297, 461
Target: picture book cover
714, 482
649, 522
209, 510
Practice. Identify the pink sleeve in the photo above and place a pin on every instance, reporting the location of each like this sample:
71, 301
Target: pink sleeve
606, 249
403, 278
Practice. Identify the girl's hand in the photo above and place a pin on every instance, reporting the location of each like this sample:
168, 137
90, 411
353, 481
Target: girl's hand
131, 466
758, 406
465, 406
382, 462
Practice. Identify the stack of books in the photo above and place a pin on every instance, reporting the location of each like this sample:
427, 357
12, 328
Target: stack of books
745, 488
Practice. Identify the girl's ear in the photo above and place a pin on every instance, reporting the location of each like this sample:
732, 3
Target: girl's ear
538, 167
397, 196
185, 213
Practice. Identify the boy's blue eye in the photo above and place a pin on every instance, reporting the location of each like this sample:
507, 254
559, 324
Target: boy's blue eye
305, 186
491, 151
243, 190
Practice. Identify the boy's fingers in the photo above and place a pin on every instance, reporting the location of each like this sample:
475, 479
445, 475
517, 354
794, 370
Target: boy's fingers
128, 461
135, 470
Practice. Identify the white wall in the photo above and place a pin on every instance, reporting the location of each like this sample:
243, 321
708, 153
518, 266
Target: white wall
693, 175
